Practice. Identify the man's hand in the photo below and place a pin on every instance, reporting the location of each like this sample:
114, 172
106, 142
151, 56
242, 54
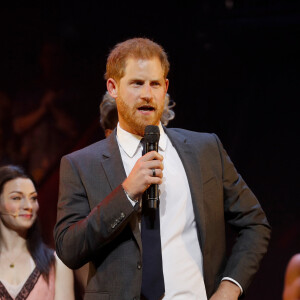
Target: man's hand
227, 290
141, 176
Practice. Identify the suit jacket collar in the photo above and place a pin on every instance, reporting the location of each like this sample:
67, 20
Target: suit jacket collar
186, 150
112, 162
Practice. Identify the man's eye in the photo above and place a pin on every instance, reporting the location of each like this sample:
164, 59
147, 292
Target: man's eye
155, 83
138, 83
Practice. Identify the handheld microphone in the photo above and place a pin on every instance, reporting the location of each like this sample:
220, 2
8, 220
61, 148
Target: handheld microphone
151, 138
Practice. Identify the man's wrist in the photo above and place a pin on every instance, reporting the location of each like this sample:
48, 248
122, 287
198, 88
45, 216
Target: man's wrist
235, 282
229, 289
130, 197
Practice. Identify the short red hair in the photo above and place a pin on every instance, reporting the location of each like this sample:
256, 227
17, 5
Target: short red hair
139, 48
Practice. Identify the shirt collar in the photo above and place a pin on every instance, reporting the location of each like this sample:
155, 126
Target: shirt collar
130, 142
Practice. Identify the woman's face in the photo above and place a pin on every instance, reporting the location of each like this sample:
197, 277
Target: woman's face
18, 204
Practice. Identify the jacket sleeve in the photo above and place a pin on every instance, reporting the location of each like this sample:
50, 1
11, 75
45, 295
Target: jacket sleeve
80, 231
244, 213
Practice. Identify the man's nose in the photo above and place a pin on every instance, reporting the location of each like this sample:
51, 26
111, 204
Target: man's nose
146, 92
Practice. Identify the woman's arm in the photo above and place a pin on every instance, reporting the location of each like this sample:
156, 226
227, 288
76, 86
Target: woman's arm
64, 281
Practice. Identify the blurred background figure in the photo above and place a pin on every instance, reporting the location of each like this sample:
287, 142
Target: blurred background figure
46, 113
109, 113
168, 113
292, 279
27, 266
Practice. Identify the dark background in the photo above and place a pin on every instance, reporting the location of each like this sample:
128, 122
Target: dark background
234, 71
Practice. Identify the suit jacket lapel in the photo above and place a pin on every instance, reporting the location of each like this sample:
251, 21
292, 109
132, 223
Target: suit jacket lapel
112, 162
113, 166
187, 154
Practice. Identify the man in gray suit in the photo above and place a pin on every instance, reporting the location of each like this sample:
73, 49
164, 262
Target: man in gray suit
101, 187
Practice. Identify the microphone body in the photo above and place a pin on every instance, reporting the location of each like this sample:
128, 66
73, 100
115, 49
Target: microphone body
151, 138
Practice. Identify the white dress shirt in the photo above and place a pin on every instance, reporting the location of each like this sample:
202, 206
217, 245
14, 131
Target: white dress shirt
181, 253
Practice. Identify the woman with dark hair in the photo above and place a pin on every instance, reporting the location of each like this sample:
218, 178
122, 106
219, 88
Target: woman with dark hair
28, 268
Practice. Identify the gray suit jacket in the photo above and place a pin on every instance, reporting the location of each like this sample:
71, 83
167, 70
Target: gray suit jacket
96, 223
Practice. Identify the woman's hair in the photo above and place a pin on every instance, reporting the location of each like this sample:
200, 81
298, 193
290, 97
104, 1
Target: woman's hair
168, 113
41, 254
108, 112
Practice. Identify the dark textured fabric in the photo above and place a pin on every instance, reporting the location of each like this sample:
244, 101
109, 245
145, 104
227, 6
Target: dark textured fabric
153, 286
96, 223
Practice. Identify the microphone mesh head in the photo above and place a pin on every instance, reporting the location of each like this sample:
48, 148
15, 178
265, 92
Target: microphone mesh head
151, 134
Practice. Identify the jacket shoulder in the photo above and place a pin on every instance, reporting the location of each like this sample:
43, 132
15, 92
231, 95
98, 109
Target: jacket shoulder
88, 150
94, 152
195, 136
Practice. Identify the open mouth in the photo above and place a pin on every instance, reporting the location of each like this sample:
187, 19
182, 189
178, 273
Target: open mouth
146, 108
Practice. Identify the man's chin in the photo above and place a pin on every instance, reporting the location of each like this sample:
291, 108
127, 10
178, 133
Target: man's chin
155, 123
140, 128
137, 124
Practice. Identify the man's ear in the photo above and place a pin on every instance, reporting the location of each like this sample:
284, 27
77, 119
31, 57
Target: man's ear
167, 84
112, 87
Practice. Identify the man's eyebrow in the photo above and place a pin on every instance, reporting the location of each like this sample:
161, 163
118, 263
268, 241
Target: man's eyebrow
136, 79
